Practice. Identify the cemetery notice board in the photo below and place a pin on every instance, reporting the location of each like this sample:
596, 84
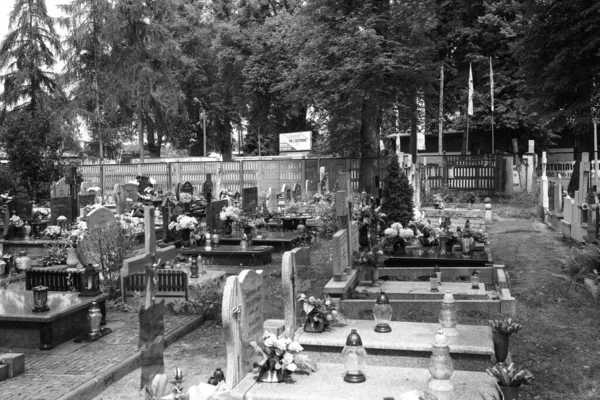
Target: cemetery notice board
60, 206
250, 199
340, 254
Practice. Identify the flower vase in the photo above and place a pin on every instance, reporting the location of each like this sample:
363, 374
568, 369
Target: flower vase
72, 259
510, 392
314, 326
26, 231
501, 343
227, 229
272, 376
375, 276
185, 237
248, 230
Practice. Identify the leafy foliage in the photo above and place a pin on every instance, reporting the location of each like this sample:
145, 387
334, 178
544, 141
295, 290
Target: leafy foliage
397, 203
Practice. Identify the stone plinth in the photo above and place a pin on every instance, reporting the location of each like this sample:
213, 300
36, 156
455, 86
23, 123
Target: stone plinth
424, 257
449, 274
21, 328
341, 288
232, 255
280, 241
382, 382
422, 290
407, 345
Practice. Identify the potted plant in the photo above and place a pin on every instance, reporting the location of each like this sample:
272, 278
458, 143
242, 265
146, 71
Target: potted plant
281, 356
319, 314
186, 225
509, 380
501, 331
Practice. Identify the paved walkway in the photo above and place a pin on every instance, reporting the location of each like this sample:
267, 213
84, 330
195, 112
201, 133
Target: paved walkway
80, 371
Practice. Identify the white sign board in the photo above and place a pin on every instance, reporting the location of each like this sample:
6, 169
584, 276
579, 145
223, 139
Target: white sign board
295, 141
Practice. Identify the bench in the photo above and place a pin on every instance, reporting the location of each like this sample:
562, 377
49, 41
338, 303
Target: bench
172, 285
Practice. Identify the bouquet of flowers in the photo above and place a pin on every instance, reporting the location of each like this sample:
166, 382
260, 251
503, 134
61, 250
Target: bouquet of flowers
317, 197
230, 213
40, 212
479, 236
373, 257
281, 355
366, 215
319, 313
396, 236
16, 221
509, 377
148, 194
184, 222
185, 197
95, 190
77, 234
52, 231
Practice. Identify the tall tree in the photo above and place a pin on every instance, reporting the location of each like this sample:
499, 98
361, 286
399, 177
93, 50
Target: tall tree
29, 51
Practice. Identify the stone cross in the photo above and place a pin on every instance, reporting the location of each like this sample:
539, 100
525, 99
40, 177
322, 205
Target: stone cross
141, 263
243, 318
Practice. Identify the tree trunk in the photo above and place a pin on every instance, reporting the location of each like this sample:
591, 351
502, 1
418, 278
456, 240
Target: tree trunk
153, 147
226, 148
413, 129
369, 135
141, 136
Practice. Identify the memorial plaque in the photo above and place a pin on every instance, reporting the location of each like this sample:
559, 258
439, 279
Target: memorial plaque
84, 200
61, 189
60, 206
214, 213
250, 199
340, 255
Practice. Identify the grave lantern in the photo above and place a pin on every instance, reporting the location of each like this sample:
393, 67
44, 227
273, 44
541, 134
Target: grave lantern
40, 299
447, 316
382, 312
434, 282
441, 366
354, 357
94, 318
475, 280
90, 282
194, 267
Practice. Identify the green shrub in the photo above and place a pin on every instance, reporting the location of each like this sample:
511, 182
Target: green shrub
207, 301
397, 203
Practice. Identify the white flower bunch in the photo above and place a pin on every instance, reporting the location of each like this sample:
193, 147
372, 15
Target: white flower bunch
184, 222
44, 211
397, 226
52, 230
284, 348
231, 212
93, 190
15, 220
390, 232
152, 181
185, 197
406, 233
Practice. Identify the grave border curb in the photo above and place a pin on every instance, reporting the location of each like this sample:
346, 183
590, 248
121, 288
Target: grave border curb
96, 385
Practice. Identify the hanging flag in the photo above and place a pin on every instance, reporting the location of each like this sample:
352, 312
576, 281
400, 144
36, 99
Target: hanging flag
492, 83
421, 121
470, 106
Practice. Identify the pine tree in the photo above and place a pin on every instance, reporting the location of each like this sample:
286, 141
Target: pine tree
397, 203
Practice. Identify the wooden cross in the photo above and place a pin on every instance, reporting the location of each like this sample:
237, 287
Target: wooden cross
143, 263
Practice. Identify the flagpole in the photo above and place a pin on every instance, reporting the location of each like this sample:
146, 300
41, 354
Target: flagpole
492, 98
492, 131
467, 149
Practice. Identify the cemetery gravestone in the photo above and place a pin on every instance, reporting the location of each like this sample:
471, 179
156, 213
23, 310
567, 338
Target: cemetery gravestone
207, 188
242, 314
297, 193
250, 199
84, 200
60, 206
340, 255
354, 233
97, 218
152, 341
21, 205
61, 189
84, 187
123, 192
296, 274
185, 187
100, 216
271, 200
213, 216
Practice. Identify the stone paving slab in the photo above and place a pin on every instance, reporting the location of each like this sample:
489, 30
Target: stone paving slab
80, 371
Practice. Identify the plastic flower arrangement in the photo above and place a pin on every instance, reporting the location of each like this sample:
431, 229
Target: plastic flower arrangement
320, 313
281, 354
317, 197
16, 221
93, 190
396, 236
479, 236
230, 213
509, 377
184, 222
52, 231
40, 212
185, 197
365, 214
77, 234
373, 257
148, 194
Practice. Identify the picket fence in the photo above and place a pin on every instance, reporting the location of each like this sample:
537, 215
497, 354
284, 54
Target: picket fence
477, 173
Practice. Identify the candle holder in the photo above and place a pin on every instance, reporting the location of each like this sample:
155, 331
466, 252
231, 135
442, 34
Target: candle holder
90, 282
354, 357
40, 299
382, 312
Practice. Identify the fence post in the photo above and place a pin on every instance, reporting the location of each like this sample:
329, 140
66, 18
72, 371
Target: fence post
169, 180
241, 176
303, 176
